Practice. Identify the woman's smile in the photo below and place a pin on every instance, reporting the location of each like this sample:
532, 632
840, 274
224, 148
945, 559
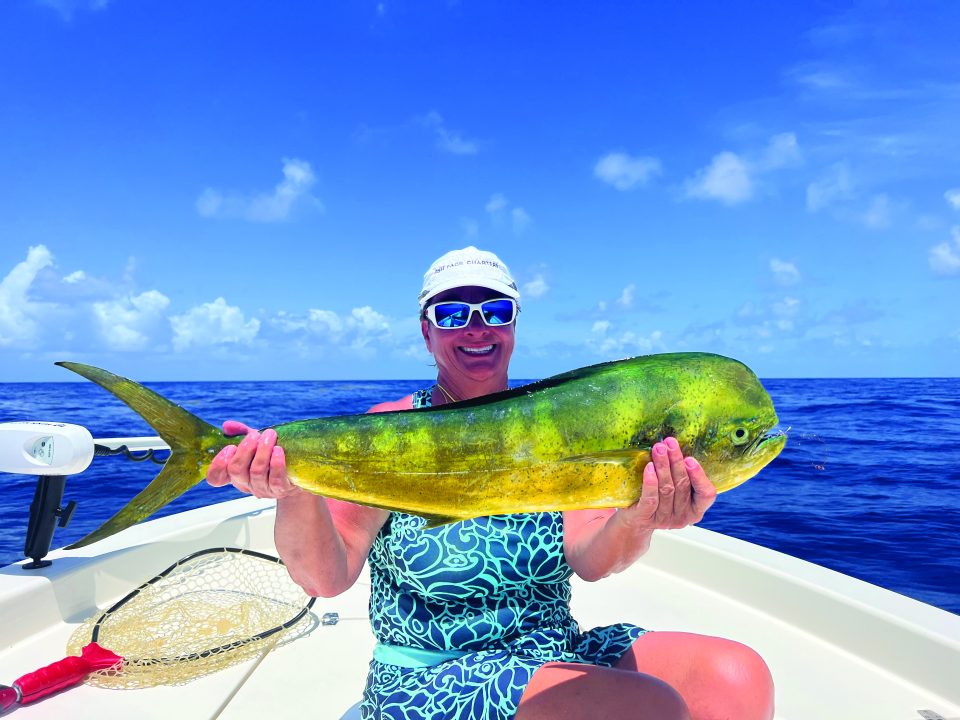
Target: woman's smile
481, 350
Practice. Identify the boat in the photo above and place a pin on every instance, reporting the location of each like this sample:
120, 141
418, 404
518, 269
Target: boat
839, 648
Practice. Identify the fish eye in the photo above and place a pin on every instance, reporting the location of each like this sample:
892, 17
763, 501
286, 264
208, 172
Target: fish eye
739, 436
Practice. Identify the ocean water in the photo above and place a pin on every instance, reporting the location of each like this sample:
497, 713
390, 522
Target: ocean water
869, 483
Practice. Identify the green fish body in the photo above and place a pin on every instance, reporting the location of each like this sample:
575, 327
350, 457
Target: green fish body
573, 441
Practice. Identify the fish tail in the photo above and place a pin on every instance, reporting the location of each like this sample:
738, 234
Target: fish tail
193, 444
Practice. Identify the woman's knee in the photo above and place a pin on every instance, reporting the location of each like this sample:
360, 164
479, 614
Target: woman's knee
746, 678
717, 677
742, 666
572, 691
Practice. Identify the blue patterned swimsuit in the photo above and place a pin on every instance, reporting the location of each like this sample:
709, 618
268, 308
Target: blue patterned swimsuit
492, 595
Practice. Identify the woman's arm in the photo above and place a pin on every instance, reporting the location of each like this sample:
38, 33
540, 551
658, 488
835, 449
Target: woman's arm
323, 542
676, 493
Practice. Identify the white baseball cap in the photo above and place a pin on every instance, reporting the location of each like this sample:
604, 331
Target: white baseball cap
468, 267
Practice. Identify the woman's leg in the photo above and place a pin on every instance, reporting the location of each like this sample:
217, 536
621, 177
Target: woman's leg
717, 678
572, 691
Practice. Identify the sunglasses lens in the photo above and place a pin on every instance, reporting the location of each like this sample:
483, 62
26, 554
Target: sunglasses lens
451, 314
497, 312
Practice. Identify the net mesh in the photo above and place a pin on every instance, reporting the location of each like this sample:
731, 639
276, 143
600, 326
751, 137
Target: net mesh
207, 612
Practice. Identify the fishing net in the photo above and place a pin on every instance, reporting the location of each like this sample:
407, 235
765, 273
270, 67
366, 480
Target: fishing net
209, 611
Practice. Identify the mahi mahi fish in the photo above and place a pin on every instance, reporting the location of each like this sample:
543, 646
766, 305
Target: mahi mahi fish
572, 441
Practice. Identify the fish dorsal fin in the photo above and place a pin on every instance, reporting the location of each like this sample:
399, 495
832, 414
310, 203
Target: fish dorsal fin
626, 457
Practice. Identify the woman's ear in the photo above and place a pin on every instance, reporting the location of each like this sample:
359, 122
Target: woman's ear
425, 330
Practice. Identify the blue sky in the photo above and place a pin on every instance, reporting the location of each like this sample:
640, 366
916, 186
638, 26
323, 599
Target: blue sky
233, 190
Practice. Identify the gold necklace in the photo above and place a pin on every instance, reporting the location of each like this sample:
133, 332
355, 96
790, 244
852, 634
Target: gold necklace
447, 395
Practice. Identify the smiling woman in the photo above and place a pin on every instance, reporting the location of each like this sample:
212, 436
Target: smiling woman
472, 339
473, 617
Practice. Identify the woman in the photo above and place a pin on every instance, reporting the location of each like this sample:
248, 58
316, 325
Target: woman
473, 618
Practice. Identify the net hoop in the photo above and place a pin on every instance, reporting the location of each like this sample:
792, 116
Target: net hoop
209, 610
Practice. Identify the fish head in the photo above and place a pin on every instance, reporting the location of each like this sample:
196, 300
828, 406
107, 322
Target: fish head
733, 430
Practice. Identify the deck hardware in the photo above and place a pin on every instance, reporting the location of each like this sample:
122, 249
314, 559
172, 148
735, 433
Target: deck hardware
330, 618
148, 454
46, 514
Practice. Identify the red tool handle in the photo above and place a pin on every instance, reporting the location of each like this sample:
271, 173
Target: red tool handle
9, 696
65, 673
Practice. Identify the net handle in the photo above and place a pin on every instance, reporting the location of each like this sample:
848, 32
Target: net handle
63, 673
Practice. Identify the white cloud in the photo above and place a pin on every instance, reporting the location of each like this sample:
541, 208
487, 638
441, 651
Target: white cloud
496, 204
626, 297
448, 141
521, 220
782, 151
369, 319
75, 277
626, 343
944, 258
125, 323
325, 321
624, 172
500, 211
732, 178
819, 78
877, 215
536, 288
726, 178
289, 193
953, 197
67, 8
18, 312
785, 273
834, 187
786, 308
214, 323
359, 330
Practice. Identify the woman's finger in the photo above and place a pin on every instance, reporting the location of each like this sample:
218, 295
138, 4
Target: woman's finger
704, 493
280, 485
260, 464
235, 427
238, 468
640, 515
217, 472
682, 500
666, 488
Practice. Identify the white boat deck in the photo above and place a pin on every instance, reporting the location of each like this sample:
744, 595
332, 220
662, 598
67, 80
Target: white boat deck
838, 648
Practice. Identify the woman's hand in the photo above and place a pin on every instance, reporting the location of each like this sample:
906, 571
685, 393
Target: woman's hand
256, 466
676, 491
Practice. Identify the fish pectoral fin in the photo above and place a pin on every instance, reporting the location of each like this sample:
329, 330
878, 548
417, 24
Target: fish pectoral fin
434, 521
627, 458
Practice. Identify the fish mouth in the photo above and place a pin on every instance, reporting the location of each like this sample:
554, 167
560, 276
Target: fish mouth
772, 440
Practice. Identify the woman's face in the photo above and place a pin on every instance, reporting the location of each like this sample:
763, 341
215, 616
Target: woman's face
477, 352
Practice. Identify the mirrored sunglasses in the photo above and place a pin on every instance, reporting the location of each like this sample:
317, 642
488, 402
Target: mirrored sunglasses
453, 315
